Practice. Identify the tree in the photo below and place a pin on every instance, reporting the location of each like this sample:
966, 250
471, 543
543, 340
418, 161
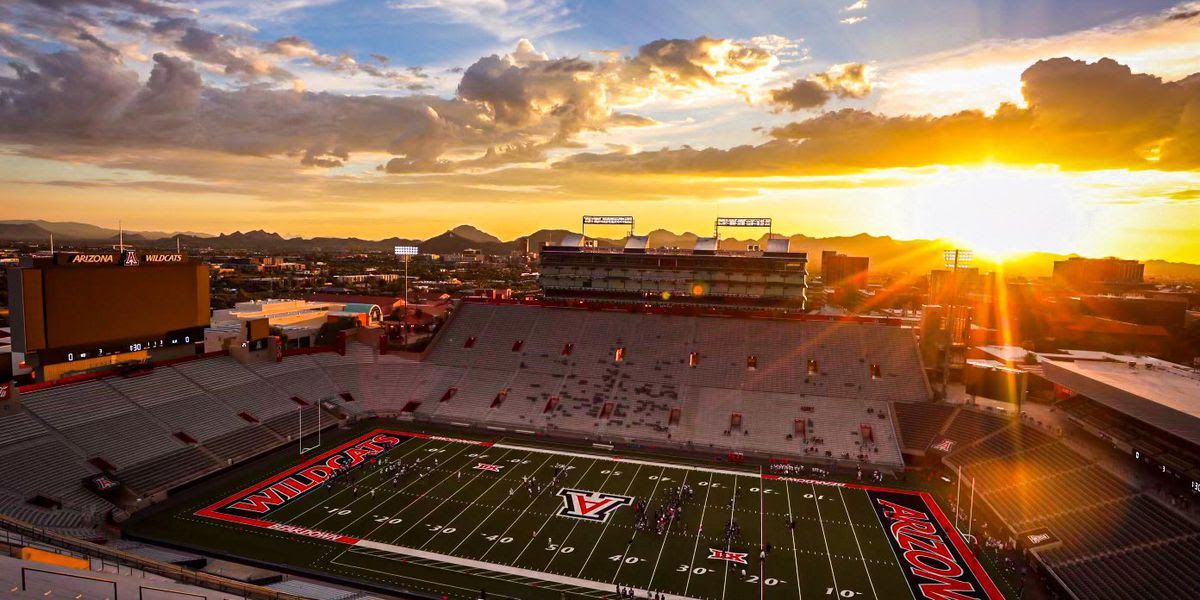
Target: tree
327, 334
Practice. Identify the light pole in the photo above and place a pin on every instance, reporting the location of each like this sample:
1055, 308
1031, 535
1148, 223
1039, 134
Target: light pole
405, 252
953, 259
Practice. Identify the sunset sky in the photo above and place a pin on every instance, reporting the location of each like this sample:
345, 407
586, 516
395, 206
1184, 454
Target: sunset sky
1005, 126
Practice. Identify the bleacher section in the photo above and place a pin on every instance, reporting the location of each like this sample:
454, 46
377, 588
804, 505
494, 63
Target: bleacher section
1114, 541
156, 430
921, 422
617, 376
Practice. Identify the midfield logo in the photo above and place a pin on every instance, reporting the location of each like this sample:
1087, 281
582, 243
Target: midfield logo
487, 467
589, 505
736, 557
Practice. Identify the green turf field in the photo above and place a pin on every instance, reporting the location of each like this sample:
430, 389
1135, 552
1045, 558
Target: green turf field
459, 519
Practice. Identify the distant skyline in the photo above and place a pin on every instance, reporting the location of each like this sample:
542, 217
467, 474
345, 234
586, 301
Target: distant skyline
1067, 127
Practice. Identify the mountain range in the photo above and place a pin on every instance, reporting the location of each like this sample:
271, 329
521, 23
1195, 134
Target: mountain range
887, 255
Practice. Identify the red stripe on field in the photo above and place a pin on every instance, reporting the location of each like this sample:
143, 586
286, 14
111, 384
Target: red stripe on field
988, 585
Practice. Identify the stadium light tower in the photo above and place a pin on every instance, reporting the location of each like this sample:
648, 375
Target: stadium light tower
405, 252
954, 258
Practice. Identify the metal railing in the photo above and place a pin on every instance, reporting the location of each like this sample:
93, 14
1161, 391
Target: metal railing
82, 549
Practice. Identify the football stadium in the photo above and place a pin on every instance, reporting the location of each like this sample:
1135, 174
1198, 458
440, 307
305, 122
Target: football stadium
663, 439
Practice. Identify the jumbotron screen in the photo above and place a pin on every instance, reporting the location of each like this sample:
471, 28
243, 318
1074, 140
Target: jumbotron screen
84, 306
89, 306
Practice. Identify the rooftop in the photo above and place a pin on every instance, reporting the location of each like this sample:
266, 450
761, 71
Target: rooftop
1161, 394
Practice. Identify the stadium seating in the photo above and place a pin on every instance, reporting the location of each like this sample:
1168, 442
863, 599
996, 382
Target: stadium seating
243, 443
168, 469
505, 365
921, 422
1115, 542
1165, 569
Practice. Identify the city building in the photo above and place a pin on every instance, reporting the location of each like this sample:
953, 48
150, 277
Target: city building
841, 271
299, 320
1086, 273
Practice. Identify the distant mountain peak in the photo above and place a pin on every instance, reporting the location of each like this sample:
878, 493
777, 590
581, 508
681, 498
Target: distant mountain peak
475, 234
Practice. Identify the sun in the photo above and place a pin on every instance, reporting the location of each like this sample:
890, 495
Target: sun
1000, 211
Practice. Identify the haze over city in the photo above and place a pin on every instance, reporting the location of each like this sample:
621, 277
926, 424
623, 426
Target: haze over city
1067, 127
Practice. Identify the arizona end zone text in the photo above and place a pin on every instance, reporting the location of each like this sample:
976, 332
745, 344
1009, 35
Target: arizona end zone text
934, 559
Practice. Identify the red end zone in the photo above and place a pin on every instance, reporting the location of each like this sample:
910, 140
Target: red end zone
935, 559
251, 506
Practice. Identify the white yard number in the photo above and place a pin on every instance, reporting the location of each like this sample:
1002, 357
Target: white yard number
496, 538
695, 571
341, 512
843, 593
629, 560
562, 550
387, 521
440, 529
768, 581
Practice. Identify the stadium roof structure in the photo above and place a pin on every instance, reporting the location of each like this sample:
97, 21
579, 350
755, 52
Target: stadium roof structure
1161, 394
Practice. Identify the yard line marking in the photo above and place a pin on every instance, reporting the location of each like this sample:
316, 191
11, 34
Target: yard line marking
436, 584
414, 501
476, 501
588, 561
551, 516
762, 589
696, 546
628, 546
510, 525
860, 552
795, 558
632, 461
564, 542
666, 535
494, 509
496, 569
353, 501
729, 539
423, 443
474, 476
820, 520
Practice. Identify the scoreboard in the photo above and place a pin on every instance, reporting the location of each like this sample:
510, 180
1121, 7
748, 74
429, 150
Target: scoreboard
72, 307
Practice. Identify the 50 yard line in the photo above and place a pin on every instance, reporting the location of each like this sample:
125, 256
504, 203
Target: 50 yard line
588, 560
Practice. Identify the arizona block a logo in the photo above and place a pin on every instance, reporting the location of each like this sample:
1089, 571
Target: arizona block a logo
589, 505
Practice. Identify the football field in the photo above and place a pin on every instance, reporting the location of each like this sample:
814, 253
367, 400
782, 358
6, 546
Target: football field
452, 516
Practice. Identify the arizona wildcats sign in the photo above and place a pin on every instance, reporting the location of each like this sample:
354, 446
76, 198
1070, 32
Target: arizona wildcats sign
589, 505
